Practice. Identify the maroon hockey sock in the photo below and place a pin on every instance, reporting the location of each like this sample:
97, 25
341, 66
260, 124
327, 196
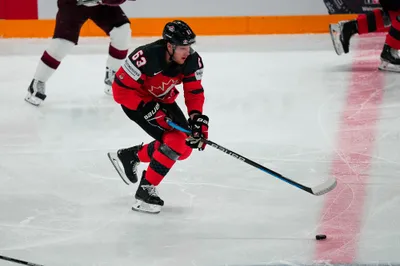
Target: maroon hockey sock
370, 22
146, 153
393, 37
50, 61
117, 54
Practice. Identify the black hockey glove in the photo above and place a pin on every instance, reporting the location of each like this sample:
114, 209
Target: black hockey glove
155, 115
199, 126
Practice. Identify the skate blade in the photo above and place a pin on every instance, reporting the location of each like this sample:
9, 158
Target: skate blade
33, 100
386, 66
334, 30
120, 170
108, 90
142, 206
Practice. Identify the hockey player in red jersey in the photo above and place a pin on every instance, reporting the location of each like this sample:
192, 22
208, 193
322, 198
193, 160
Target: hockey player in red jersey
71, 15
376, 20
145, 87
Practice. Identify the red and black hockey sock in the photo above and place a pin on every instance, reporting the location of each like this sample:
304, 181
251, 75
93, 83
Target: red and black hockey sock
393, 37
162, 161
371, 22
49, 60
162, 156
146, 153
116, 53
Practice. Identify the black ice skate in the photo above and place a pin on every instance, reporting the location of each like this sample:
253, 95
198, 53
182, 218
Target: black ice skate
390, 59
125, 162
36, 92
147, 199
341, 34
108, 81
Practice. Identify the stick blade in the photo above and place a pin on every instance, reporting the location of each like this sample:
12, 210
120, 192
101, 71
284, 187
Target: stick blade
325, 187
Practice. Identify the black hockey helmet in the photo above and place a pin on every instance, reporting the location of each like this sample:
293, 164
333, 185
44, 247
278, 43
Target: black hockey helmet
178, 32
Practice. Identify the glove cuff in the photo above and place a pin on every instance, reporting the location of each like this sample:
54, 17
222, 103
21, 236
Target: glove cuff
194, 112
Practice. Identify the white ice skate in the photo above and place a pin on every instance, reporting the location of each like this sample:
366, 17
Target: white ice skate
36, 92
108, 81
142, 206
335, 31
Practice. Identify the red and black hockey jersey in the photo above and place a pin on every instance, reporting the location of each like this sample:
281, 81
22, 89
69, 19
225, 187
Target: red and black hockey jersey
147, 76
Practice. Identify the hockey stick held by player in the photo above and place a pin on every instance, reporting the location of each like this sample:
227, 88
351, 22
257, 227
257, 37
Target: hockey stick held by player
321, 189
145, 87
198, 125
373, 21
71, 15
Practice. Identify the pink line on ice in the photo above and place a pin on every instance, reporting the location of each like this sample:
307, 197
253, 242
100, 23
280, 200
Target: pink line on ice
342, 214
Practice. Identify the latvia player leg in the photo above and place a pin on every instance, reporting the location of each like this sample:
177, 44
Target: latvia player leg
341, 33
113, 21
69, 21
390, 59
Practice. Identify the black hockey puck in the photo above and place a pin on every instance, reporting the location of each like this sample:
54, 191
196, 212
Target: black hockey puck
320, 237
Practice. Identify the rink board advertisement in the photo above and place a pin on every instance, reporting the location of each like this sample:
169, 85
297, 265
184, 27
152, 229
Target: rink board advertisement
207, 17
350, 6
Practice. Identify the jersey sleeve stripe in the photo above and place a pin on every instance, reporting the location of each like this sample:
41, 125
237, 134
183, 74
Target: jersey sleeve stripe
121, 84
198, 91
189, 79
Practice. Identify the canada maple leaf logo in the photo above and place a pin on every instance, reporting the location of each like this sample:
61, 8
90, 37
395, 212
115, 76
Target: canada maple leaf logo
165, 88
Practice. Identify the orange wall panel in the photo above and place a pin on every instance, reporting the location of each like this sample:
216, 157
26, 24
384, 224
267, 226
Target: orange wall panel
201, 25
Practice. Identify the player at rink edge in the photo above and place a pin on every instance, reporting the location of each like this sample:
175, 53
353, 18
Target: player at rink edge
71, 15
377, 20
145, 87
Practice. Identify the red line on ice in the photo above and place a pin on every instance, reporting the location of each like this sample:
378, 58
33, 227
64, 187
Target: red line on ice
342, 214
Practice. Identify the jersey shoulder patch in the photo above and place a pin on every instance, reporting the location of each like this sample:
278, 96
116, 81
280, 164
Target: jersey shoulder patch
143, 60
194, 64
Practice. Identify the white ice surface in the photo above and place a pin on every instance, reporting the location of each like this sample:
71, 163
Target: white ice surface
275, 99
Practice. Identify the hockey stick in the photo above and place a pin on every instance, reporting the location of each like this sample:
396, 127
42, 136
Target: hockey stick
321, 189
19, 261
